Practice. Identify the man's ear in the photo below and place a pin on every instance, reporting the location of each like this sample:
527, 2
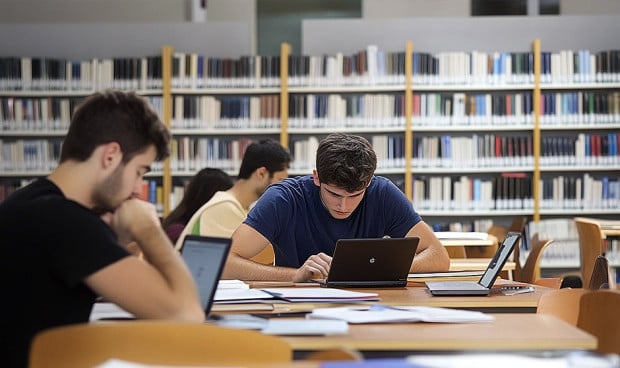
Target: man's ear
315, 178
262, 172
111, 155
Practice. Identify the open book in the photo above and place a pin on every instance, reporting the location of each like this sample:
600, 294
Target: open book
378, 313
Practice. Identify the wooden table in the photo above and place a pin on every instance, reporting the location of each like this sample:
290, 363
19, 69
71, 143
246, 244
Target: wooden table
417, 294
509, 332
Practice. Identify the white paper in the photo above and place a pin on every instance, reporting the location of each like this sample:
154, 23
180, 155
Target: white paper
302, 327
385, 314
108, 311
321, 294
241, 296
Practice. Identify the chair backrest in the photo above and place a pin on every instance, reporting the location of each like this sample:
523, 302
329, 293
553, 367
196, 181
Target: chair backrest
562, 303
154, 342
600, 274
590, 245
598, 315
530, 272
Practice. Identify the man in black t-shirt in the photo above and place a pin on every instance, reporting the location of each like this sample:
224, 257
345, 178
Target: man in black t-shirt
65, 238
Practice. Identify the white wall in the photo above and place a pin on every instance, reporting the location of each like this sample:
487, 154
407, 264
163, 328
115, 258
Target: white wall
81, 11
488, 34
576, 7
236, 11
415, 8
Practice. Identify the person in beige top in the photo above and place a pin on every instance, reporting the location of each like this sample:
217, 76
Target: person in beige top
264, 162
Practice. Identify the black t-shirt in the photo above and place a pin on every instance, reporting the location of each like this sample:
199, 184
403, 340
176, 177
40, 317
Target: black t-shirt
49, 246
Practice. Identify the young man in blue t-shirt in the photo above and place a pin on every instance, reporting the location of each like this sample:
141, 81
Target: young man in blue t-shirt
303, 217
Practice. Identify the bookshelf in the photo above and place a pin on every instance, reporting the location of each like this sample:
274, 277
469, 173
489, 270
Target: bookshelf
70, 50
413, 134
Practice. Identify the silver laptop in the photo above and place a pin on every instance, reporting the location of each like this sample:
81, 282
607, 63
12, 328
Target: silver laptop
376, 262
205, 258
484, 285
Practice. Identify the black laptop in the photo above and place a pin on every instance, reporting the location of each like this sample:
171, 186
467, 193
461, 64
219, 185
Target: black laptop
205, 258
484, 285
376, 262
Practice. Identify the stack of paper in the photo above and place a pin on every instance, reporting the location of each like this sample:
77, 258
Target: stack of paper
300, 295
384, 314
232, 284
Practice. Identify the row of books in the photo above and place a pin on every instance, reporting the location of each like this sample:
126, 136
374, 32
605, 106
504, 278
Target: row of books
369, 66
334, 110
582, 149
477, 225
390, 151
367, 110
503, 192
35, 155
39, 73
195, 153
44, 114
373, 66
209, 112
29, 155
515, 192
190, 70
580, 192
477, 150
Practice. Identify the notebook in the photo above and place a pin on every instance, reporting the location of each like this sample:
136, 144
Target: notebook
205, 258
380, 262
484, 285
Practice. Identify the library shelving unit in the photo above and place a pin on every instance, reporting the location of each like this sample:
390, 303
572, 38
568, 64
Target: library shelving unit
37, 98
67, 62
219, 105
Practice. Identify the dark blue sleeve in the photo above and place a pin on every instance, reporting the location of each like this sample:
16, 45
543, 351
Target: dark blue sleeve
399, 213
271, 213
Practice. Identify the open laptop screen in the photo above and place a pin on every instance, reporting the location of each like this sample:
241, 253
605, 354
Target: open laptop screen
205, 258
498, 261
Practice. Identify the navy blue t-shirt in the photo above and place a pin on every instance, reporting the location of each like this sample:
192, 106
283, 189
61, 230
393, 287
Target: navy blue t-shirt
291, 215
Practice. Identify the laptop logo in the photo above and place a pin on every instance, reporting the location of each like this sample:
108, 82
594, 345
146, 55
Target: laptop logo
372, 260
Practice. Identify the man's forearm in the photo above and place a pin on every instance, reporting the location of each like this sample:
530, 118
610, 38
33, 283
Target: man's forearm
431, 259
245, 269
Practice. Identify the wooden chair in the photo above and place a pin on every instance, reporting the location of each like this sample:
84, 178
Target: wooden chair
530, 272
600, 274
590, 245
598, 315
154, 342
561, 303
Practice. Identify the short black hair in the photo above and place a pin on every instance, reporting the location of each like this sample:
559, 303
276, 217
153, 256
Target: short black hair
346, 161
266, 153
